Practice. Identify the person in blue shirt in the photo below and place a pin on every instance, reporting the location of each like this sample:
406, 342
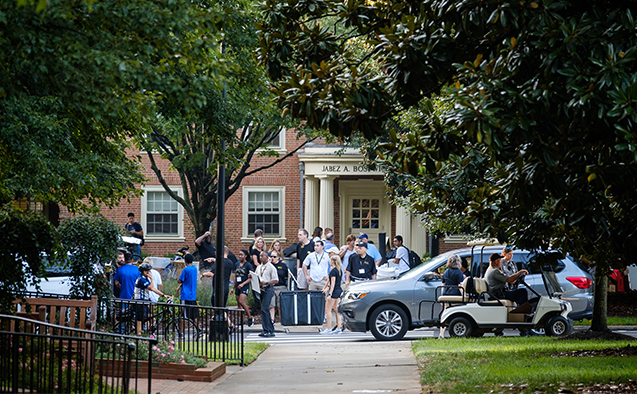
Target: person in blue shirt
372, 250
188, 287
125, 278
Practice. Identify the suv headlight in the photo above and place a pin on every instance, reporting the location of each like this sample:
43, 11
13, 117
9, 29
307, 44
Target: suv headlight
355, 295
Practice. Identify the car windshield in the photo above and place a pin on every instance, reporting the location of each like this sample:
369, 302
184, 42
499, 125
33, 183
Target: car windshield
427, 266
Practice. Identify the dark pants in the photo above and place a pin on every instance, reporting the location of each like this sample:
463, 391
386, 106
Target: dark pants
520, 296
266, 296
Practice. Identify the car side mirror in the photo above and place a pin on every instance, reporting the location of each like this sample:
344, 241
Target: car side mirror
429, 276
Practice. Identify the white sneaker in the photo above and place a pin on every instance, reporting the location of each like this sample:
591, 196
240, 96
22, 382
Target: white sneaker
326, 332
337, 331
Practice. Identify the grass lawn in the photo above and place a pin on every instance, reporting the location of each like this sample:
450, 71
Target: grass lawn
480, 365
612, 321
251, 352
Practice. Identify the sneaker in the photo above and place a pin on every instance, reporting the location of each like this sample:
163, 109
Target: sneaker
270, 335
326, 332
250, 322
233, 329
337, 331
264, 334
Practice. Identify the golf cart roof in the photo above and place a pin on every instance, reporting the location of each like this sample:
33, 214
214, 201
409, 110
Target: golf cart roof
484, 242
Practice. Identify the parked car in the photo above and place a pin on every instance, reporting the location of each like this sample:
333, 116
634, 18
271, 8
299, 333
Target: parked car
58, 277
390, 307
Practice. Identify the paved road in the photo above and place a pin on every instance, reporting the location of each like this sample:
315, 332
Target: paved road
311, 335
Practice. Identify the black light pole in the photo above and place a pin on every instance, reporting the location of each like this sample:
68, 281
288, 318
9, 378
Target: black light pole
221, 216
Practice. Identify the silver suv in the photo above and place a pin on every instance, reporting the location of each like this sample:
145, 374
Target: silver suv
390, 307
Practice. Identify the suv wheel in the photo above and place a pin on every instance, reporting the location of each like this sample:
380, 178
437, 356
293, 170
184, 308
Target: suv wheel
461, 327
388, 323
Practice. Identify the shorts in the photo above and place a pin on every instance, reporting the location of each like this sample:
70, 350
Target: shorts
191, 312
243, 290
141, 312
336, 294
276, 300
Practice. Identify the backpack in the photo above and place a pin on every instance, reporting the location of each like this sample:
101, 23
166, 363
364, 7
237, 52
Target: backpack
414, 259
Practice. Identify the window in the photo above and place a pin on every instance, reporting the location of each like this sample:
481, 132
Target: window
263, 207
162, 216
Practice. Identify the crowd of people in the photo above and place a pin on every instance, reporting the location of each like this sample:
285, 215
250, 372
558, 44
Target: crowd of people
320, 265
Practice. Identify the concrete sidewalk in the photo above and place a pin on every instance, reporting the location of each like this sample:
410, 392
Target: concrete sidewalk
370, 367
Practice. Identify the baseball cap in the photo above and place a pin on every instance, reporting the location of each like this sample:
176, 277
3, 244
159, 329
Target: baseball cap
363, 244
363, 235
494, 257
333, 249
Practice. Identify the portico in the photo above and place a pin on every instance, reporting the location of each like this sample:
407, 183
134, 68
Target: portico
341, 193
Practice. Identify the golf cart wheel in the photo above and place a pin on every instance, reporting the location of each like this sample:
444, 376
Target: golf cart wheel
461, 327
558, 326
388, 323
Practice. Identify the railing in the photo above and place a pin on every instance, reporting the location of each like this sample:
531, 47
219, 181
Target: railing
73, 360
216, 333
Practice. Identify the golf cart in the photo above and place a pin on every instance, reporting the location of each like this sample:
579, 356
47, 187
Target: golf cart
477, 311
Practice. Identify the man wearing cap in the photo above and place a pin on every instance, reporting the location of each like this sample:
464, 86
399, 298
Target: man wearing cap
371, 248
496, 280
361, 266
318, 263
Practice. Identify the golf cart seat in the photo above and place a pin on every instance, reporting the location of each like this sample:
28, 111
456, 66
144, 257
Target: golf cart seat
482, 288
464, 297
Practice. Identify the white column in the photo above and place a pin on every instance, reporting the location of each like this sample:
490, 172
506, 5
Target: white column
418, 236
403, 225
326, 201
311, 203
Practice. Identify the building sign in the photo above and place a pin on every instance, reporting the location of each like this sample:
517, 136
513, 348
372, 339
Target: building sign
344, 169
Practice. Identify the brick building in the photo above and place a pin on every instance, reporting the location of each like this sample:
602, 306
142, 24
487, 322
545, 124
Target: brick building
321, 185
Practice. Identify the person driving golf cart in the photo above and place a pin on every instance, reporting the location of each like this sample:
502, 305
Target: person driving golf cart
496, 280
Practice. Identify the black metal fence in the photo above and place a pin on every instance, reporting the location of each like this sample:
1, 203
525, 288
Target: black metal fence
216, 333
71, 361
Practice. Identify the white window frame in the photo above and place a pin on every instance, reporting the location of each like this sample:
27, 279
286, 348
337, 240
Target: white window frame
246, 190
280, 149
180, 216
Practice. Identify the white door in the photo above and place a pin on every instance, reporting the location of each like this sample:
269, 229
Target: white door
365, 215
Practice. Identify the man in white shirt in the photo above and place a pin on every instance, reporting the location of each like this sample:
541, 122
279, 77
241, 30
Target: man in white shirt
401, 261
372, 250
319, 265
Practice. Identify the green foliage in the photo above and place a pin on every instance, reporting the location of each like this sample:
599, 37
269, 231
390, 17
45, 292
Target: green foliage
476, 365
79, 78
242, 115
91, 242
25, 237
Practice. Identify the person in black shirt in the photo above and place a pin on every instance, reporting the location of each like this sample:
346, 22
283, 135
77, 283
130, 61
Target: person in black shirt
361, 266
282, 284
228, 267
207, 251
303, 249
241, 287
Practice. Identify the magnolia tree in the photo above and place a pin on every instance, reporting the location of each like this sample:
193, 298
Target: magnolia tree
542, 113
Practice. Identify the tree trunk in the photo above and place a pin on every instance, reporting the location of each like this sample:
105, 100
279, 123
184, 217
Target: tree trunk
600, 306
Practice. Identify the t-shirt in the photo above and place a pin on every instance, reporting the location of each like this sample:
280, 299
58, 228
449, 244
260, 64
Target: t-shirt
495, 279
302, 251
141, 288
241, 273
282, 272
154, 297
452, 277
319, 265
345, 262
189, 283
508, 269
255, 252
361, 267
228, 267
126, 275
403, 260
135, 227
335, 273
207, 249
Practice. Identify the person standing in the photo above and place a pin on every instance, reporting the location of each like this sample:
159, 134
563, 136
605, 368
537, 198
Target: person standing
401, 261
318, 264
228, 267
329, 239
242, 282
125, 278
135, 230
259, 246
188, 287
276, 246
207, 250
333, 292
316, 235
267, 279
303, 249
372, 250
281, 285
157, 282
361, 265
346, 251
